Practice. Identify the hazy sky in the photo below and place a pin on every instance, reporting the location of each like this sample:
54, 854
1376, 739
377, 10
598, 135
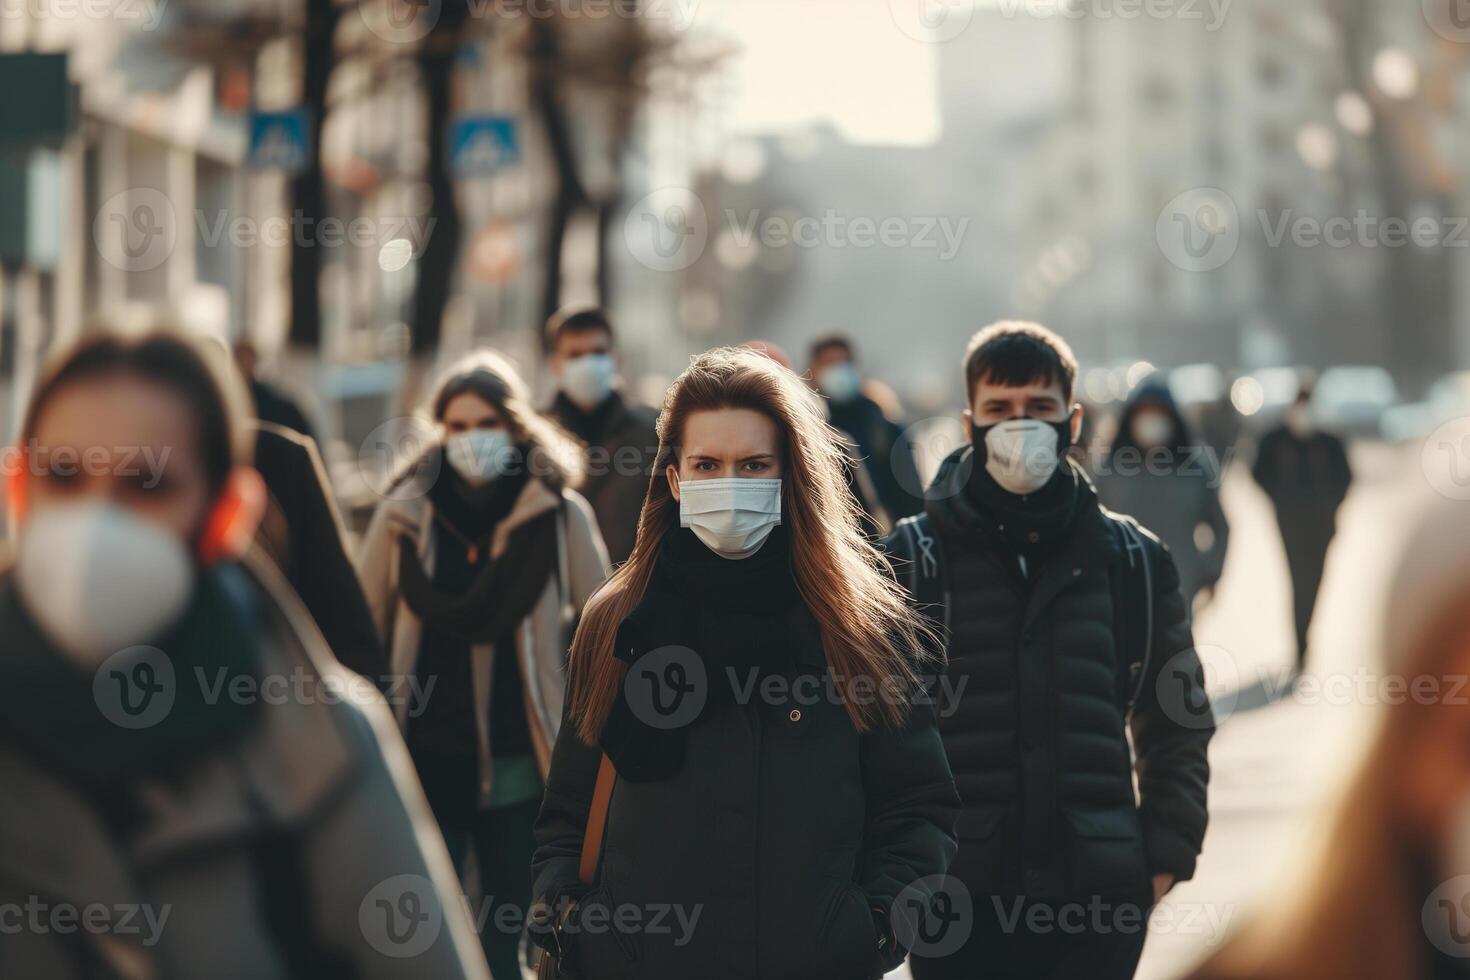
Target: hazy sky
847, 62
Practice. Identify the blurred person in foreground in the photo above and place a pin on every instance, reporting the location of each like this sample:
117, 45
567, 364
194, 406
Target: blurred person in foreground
1386, 890
1158, 472
617, 432
177, 747
1306, 473
783, 788
1066, 632
881, 443
874, 519
476, 565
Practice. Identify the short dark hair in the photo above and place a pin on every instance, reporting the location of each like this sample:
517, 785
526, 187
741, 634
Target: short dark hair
1018, 352
833, 340
577, 320
171, 360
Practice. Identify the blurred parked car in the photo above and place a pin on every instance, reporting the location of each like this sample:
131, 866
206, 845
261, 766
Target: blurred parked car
1448, 398
1352, 400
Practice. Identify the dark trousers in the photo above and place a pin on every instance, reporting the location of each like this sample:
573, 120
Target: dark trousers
1096, 938
1306, 558
503, 844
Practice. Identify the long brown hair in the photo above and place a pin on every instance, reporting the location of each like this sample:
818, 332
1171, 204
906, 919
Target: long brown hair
868, 630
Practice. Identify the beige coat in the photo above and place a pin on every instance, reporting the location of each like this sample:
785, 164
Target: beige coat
329, 768
541, 638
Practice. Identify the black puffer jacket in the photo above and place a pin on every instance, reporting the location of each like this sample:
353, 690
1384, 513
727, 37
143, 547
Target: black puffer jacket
772, 845
1035, 732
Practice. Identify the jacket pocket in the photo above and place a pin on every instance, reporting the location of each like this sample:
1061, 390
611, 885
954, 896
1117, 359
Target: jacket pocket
979, 823
601, 948
1107, 848
847, 947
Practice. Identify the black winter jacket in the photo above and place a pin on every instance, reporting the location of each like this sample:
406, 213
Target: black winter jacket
1034, 721
772, 845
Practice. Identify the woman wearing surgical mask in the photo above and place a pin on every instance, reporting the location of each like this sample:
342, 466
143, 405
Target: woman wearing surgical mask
1159, 473
746, 706
1385, 891
177, 746
476, 566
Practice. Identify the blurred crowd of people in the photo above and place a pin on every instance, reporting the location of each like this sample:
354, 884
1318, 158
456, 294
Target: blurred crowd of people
467, 721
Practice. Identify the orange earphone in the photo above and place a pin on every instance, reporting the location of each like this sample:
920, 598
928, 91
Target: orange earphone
231, 524
15, 490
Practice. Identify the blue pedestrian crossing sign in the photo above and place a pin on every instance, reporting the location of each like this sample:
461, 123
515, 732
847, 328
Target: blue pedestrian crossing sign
482, 145
280, 140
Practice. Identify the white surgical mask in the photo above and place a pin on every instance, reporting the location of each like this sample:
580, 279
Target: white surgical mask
840, 382
588, 380
732, 517
1150, 429
479, 455
1022, 454
97, 580
1299, 421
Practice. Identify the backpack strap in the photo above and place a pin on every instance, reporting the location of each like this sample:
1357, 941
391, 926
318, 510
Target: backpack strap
915, 545
1133, 605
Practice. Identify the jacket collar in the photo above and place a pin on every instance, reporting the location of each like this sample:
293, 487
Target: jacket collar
1088, 548
535, 499
606, 417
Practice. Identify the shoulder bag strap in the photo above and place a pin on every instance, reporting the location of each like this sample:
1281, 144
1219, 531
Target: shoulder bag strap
596, 820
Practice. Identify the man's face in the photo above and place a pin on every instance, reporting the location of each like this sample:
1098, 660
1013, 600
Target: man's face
992, 403
579, 343
829, 357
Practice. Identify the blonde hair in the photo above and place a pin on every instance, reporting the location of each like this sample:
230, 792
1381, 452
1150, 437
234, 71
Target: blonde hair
869, 632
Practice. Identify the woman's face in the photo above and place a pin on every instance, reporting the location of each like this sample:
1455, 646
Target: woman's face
723, 443
467, 412
122, 439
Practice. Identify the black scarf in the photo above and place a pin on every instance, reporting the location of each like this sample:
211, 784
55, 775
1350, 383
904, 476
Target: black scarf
505, 589
48, 705
587, 426
1031, 525
733, 624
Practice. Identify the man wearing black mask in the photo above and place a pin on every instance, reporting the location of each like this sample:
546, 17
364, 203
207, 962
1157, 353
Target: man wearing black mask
1065, 627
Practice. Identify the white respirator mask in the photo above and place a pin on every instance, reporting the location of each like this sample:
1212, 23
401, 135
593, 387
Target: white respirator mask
97, 579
